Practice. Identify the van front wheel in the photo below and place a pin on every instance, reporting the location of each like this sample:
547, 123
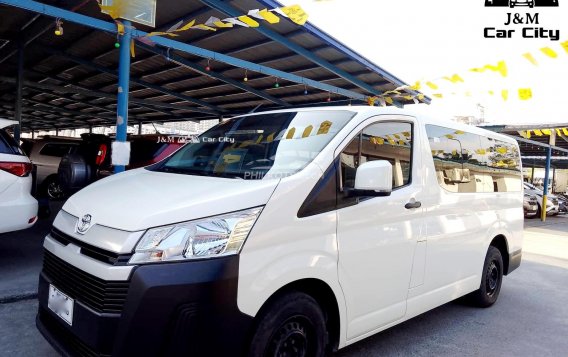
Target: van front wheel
491, 279
292, 325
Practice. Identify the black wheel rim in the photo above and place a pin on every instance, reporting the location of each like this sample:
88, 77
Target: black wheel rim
492, 278
294, 338
54, 190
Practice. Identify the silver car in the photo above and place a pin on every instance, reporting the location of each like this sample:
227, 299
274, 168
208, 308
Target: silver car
46, 154
552, 207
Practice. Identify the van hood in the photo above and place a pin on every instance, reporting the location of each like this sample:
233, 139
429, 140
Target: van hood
140, 199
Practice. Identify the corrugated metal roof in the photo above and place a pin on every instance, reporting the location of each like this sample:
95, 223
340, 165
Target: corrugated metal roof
63, 91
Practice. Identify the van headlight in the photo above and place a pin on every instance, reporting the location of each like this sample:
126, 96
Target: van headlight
203, 238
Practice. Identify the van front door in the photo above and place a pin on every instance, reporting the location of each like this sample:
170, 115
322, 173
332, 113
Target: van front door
377, 236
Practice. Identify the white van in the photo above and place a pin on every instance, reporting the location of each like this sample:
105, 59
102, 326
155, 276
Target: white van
285, 233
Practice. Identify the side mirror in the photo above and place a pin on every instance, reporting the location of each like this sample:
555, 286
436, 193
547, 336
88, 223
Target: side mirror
373, 178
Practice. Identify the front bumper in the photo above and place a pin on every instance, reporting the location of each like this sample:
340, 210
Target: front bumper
171, 309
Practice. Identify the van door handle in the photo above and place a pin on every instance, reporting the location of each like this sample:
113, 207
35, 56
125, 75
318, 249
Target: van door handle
413, 204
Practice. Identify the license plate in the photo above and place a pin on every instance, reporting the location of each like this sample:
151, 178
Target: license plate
61, 304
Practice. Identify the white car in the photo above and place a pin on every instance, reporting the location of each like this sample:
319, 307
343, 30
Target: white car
18, 209
284, 233
552, 204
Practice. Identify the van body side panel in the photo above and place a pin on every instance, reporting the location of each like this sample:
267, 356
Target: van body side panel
283, 248
377, 241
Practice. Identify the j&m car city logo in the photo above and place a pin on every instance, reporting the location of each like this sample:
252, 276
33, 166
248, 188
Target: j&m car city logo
526, 24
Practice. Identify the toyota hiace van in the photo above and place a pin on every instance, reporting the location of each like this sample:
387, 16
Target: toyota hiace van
284, 233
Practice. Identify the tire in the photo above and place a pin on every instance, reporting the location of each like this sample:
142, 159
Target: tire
74, 173
52, 189
292, 325
491, 280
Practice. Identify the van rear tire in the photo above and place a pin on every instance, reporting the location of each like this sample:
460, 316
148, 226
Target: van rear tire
491, 280
292, 325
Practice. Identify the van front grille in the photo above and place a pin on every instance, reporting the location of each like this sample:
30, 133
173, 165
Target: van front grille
100, 295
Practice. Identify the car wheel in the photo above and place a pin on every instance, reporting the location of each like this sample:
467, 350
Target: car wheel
53, 189
491, 280
292, 325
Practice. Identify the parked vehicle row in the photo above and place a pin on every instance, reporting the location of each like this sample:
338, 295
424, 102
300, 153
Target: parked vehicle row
552, 203
18, 209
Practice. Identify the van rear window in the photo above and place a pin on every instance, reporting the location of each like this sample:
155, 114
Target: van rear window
8, 145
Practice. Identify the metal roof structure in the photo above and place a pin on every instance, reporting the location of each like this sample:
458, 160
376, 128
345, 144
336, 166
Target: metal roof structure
534, 149
70, 81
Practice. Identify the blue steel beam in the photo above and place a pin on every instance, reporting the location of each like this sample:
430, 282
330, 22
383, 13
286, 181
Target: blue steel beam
200, 69
545, 188
226, 8
168, 43
123, 89
214, 109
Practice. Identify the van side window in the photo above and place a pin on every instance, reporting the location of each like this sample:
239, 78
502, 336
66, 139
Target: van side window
391, 141
467, 162
57, 150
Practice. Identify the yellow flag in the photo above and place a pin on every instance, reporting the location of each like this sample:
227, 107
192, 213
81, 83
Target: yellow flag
132, 50
432, 85
480, 151
296, 14
416, 86
268, 16
438, 95
291, 133
525, 93
565, 131
565, 46
449, 136
549, 52
222, 24
454, 78
546, 131
324, 127
186, 26
501, 68
459, 132
491, 92
538, 132
389, 100
371, 101
248, 20
502, 150
505, 94
307, 131
204, 27
530, 58
407, 97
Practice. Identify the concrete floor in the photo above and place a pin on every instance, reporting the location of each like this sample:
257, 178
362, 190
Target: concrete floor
530, 318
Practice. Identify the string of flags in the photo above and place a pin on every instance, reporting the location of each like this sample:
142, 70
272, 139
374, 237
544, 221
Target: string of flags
253, 18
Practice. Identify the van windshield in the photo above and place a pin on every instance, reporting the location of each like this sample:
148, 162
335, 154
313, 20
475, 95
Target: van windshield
258, 146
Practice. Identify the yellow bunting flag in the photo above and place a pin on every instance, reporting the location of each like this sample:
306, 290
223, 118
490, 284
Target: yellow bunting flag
459, 132
204, 27
501, 150
132, 49
408, 97
491, 92
371, 101
270, 138
538, 132
530, 58
501, 68
296, 14
505, 94
416, 86
291, 133
565, 131
186, 26
160, 33
324, 127
546, 132
420, 96
247, 20
454, 78
389, 100
268, 16
565, 46
525, 93
432, 85
438, 95
449, 136
549, 52
119, 27
307, 131
480, 151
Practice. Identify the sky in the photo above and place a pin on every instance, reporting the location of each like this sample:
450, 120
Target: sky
427, 40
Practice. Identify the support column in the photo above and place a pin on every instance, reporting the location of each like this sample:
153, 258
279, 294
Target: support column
122, 97
545, 189
139, 128
19, 88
